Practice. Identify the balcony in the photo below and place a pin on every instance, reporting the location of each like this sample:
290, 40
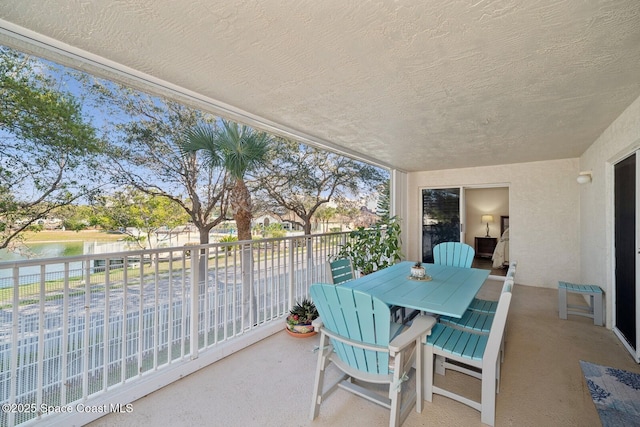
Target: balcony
269, 383
136, 347
112, 327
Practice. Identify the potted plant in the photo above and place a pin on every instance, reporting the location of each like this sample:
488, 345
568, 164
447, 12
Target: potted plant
374, 248
418, 271
300, 318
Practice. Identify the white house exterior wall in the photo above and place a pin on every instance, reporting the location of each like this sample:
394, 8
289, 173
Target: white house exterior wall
544, 200
620, 139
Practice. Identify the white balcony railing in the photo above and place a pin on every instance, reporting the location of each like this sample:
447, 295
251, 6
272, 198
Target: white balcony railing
96, 325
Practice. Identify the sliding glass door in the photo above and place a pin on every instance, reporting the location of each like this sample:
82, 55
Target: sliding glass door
626, 316
441, 213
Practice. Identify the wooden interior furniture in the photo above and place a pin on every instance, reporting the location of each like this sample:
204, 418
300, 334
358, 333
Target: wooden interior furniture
504, 224
485, 246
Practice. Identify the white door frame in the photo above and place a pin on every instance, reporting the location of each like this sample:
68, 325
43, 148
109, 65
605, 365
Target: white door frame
635, 353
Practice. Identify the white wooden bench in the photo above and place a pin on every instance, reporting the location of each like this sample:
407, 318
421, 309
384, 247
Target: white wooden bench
593, 310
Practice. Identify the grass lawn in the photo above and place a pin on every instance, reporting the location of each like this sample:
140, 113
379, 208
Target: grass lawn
65, 236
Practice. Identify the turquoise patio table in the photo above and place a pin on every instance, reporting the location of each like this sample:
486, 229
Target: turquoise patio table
449, 292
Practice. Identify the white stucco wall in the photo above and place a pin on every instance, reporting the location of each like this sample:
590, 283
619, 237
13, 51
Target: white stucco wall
398, 203
620, 139
544, 214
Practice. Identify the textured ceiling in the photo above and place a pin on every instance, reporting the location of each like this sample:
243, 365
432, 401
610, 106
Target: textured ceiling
415, 85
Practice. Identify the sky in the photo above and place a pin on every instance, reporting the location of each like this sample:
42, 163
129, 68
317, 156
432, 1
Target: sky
67, 82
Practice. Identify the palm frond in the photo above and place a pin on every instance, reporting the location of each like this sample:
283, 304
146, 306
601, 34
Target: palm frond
243, 147
206, 139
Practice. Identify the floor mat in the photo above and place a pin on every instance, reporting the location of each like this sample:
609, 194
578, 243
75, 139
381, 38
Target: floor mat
615, 392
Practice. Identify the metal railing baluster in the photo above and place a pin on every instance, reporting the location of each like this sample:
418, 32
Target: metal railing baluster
145, 308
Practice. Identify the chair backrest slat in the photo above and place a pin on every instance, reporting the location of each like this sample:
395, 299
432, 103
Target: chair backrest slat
455, 254
340, 271
356, 316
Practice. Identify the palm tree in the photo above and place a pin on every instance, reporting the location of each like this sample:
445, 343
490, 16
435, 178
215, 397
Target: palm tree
238, 149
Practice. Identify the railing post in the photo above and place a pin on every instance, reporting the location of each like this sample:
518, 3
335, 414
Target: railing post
65, 334
292, 272
249, 313
41, 329
15, 326
86, 332
310, 263
196, 259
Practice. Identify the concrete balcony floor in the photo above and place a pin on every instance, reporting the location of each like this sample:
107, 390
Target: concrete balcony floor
270, 383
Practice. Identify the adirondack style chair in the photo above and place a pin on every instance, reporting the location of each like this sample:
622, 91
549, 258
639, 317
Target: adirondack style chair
455, 254
357, 336
340, 270
473, 354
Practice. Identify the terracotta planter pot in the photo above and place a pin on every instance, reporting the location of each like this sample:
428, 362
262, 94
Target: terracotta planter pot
300, 331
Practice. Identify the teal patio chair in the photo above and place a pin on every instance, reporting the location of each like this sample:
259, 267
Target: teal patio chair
490, 306
480, 321
357, 336
454, 254
340, 270
472, 354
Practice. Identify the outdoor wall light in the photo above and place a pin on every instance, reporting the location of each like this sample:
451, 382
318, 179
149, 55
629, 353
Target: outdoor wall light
584, 177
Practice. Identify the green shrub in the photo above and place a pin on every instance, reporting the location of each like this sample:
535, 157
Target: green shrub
275, 231
374, 248
229, 238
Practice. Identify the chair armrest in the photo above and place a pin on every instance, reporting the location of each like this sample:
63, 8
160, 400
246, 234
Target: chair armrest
421, 326
317, 323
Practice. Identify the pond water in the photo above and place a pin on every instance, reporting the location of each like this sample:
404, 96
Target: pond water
42, 250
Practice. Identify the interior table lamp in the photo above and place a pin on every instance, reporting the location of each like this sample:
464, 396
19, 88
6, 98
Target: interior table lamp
487, 219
